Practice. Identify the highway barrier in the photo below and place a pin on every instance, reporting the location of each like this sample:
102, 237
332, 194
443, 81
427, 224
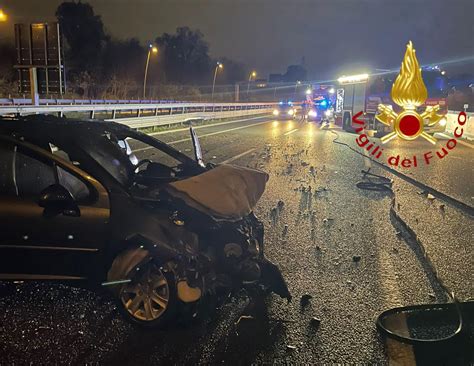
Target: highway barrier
452, 123
139, 114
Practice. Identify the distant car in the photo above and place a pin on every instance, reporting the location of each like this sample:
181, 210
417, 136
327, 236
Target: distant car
76, 205
312, 115
318, 115
285, 110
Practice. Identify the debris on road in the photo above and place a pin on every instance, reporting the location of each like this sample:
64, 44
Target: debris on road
356, 258
280, 204
290, 348
315, 322
430, 196
304, 301
244, 317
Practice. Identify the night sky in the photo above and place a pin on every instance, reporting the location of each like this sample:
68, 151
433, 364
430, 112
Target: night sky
333, 36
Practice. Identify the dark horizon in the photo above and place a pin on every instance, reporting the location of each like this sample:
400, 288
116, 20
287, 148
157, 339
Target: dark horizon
332, 37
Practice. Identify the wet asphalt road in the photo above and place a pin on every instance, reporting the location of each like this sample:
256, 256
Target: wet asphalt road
326, 223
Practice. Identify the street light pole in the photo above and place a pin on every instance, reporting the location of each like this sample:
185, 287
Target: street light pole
253, 74
150, 50
218, 66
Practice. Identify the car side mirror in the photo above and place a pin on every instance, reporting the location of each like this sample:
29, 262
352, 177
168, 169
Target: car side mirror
423, 324
56, 199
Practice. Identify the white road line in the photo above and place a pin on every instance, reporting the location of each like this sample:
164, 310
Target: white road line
293, 130
204, 126
208, 134
238, 156
458, 140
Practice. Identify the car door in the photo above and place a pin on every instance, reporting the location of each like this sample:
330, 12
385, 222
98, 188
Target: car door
42, 242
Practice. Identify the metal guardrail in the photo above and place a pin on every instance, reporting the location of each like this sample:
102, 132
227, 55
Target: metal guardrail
156, 109
52, 101
139, 114
153, 121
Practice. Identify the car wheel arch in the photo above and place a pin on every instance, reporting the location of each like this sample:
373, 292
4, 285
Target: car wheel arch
132, 252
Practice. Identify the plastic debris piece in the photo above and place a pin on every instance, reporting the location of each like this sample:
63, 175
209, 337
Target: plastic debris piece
244, 317
304, 301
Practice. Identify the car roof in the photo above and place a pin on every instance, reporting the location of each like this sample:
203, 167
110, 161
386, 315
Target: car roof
63, 131
39, 126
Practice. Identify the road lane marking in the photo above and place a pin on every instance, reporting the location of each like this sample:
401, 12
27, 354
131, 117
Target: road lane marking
238, 156
293, 130
459, 140
204, 126
207, 134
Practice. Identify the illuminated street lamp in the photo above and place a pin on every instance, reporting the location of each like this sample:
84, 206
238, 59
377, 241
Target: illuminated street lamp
218, 66
308, 91
151, 49
253, 75
3, 16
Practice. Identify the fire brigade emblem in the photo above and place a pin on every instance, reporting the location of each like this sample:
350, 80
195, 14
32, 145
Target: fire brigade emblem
409, 92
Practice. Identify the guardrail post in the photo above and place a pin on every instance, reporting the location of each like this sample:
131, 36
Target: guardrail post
92, 114
171, 111
139, 112
156, 112
114, 114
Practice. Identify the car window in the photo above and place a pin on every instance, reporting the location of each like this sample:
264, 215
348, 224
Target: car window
32, 175
154, 154
7, 183
74, 185
106, 151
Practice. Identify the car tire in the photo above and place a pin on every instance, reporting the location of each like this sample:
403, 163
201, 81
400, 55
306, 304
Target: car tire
149, 297
158, 304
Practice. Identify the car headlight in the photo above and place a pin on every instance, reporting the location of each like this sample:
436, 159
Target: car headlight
442, 122
312, 113
291, 112
275, 112
328, 113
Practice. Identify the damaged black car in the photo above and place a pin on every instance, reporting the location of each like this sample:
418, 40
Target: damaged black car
162, 233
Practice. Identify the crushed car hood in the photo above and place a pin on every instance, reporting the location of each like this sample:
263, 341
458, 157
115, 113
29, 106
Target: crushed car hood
227, 192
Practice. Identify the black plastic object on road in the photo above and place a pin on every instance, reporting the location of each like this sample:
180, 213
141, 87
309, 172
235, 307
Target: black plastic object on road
439, 333
374, 182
